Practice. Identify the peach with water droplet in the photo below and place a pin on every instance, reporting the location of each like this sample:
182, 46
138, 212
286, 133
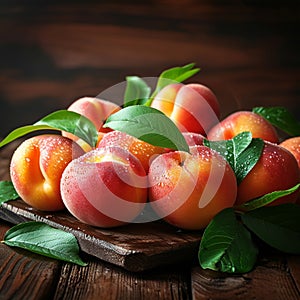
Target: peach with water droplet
188, 190
276, 170
106, 187
193, 139
145, 152
36, 168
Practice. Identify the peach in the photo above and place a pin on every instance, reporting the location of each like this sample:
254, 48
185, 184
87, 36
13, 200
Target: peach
193, 139
143, 151
192, 107
106, 187
96, 110
36, 168
293, 145
188, 190
241, 121
277, 169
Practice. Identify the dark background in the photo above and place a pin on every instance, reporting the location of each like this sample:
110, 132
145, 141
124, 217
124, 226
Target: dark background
54, 52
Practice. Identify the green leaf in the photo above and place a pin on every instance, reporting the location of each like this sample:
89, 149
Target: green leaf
63, 120
173, 75
281, 118
149, 125
266, 199
137, 91
240, 142
7, 192
226, 245
248, 159
277, 226
40, 238
231, 149
242, 152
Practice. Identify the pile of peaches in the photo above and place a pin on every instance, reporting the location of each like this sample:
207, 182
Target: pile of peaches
122, 177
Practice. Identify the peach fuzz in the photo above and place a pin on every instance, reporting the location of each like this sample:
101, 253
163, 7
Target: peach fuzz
143, 151
188, 190
192, 107
277, 169
241, 121
96, 110
106, 187
36, 168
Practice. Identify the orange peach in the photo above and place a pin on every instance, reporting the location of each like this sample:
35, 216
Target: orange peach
277, 169
36, 168
192, 107
96, 110
241, 121
293, 145
106, 187
188, 190
143, 151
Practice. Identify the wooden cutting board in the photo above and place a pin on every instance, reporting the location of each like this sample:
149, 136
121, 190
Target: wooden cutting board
135, 247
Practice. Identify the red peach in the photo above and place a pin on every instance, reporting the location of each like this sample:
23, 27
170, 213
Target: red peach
96, 110
36, 168
193, 139
277, 169
192, 107
189, 190
241, 121
106, 187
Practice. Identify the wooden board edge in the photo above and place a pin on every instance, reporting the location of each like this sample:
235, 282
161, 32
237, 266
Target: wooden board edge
130, 260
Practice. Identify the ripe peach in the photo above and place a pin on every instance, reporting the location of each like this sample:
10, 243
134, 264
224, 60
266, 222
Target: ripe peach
293, 145
189, 190
241, 121
36, 168
276, 170
143, 151
96, 110
192, 107
106, 187
193, 139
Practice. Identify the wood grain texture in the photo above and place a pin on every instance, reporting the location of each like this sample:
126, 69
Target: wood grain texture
271, 279
101, 281
24, 275
53, 53
294, 269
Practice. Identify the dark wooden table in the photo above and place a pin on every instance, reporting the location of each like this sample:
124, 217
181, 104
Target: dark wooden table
53, 52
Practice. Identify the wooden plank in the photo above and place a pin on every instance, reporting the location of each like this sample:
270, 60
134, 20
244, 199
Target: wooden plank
135, 247
103, 281
294, 269
271, 279
24, 275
